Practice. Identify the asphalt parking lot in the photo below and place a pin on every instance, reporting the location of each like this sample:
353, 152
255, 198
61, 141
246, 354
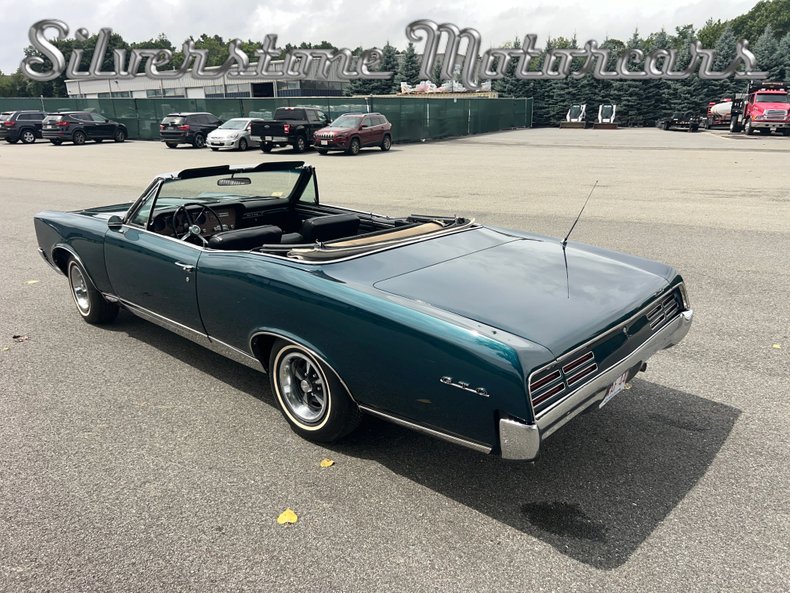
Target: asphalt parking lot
133, 460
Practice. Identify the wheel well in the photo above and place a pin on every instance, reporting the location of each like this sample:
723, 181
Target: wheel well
262, 347
60, 257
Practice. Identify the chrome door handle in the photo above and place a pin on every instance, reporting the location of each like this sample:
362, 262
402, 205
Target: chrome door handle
185, 267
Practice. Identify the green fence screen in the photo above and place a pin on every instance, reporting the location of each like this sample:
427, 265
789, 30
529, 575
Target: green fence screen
413, 119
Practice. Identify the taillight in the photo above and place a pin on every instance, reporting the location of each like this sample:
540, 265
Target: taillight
287, 128
9, 123
184, 128
162, 126
62, 123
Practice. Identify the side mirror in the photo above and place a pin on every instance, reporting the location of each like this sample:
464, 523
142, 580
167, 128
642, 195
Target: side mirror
363, 127
114, 222
220, 122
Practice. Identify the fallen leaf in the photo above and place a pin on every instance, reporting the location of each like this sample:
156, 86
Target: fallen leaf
287, 516
20, 338
32, 281
327, 463
6, 349
776, 346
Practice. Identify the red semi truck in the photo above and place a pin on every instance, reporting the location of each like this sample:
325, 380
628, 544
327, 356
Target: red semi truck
765, 108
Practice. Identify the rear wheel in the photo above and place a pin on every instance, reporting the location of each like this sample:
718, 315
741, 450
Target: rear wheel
199, 141
734, 127
28, 136
310, 396
119, 135
301, 144
171, 144
386, 144
243, 144
79, 137
90, 303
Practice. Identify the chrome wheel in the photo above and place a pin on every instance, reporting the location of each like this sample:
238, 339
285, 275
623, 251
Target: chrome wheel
79, 289
310, 394
303, 387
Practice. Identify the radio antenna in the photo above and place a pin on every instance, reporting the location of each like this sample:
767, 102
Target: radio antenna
573, 226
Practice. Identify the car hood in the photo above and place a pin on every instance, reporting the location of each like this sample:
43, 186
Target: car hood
535, 289
334, 130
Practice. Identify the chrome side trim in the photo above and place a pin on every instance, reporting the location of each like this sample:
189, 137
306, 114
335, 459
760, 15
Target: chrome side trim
429, 431
167, 323
51, 264
522, 441
236, 355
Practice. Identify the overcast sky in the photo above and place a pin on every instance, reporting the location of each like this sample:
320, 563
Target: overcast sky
349, 23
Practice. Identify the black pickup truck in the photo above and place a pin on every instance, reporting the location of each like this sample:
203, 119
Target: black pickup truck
291, 125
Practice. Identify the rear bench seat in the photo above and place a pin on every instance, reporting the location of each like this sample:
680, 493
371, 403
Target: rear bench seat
324, 228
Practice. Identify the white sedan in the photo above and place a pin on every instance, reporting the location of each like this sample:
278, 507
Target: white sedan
234, 133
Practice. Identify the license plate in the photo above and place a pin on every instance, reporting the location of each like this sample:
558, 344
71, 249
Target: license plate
614, 389
324, 142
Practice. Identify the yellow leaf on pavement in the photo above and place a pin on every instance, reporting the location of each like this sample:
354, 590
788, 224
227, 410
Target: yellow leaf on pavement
327, 463
776, 346
287, 516
32, 281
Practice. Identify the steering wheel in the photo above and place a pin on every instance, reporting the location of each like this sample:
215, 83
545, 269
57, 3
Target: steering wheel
194, 229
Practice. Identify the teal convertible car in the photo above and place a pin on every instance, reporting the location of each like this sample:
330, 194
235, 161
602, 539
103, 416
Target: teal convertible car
488, 338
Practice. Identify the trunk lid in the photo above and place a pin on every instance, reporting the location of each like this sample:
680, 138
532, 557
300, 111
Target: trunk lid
525, 287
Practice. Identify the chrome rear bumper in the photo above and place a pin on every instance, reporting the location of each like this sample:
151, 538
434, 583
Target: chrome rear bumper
522, 441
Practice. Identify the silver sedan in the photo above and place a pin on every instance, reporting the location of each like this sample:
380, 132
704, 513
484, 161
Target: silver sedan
234, 133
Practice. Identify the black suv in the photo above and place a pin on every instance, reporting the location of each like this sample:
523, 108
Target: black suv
79, 126
21, 125
187, 128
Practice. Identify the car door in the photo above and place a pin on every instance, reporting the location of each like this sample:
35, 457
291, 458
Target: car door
366, 131
85, 122
102, 127
154, 274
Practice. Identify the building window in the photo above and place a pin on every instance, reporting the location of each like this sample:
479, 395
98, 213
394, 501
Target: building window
175, 92
153, 93
212, 92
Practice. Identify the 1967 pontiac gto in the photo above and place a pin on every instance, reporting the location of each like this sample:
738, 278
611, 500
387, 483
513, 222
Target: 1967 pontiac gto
488, 338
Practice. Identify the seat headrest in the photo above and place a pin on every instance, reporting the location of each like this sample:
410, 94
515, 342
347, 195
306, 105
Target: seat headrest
326, 228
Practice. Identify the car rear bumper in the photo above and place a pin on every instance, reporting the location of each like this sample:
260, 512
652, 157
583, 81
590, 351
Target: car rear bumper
6, 134
55, 134
522, 441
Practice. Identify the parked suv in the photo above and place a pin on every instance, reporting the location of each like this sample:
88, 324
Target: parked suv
79, 126
21, 125
352, 131
187, 128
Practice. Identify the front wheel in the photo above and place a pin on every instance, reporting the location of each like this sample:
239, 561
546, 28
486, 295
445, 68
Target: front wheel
748, 128
242, 144
214, 149
300, 145
386, 144
309, 394
322, 151
171, 144
90, 303
119, 135
354, 147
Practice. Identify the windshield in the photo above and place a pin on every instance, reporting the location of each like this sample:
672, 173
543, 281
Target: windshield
229, 187
235, 124
772, 98
346, 121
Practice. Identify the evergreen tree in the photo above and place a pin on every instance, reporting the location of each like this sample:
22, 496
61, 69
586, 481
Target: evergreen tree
765, 50
409, 70
783, 58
